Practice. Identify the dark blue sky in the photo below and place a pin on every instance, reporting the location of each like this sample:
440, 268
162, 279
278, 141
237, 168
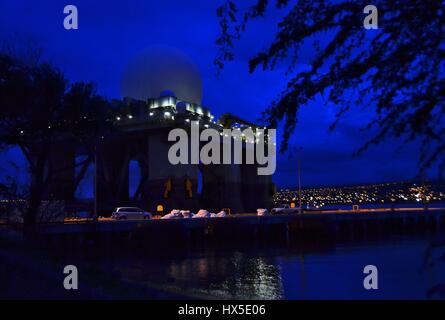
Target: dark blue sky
111, 33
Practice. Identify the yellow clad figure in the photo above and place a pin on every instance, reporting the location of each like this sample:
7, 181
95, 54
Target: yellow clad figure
188, 187
168, 188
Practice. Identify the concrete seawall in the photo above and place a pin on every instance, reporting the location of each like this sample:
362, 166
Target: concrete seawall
249, 228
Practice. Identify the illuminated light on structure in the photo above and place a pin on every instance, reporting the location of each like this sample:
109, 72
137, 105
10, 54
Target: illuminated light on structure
130, 116
206, 125
151, 114
167, 114
187, 120
159, 208
118, 118
154, 104
168, 102
199, 111
190, 108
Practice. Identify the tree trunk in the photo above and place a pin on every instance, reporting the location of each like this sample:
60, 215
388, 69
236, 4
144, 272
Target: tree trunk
35, 199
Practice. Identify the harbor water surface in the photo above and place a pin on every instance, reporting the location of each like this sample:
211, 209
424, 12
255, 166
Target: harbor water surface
408, 268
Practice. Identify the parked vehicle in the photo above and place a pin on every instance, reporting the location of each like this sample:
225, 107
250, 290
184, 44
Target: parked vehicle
130, 213
283, 209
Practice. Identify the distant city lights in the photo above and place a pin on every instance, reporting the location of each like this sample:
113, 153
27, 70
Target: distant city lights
362, 194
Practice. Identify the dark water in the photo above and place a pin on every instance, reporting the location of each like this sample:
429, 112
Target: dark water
405, 271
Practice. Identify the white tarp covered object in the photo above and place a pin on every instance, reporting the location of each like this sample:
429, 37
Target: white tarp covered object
202, 214
262, 212
186, 213
174, 214
221, 214
178, 214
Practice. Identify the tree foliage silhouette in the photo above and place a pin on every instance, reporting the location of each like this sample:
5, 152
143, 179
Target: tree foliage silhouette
398, 69
40, 112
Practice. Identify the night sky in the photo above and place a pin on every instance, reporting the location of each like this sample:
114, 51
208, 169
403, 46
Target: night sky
111, 33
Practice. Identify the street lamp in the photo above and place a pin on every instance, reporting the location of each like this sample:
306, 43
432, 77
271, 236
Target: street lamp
95, 182
299, 178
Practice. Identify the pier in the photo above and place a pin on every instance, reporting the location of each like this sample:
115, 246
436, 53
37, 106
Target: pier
313, 226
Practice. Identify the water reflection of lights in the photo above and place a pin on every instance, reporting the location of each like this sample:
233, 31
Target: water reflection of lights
235, 276
267, 277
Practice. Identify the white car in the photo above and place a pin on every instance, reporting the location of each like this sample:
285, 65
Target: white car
283, 209
130, 213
